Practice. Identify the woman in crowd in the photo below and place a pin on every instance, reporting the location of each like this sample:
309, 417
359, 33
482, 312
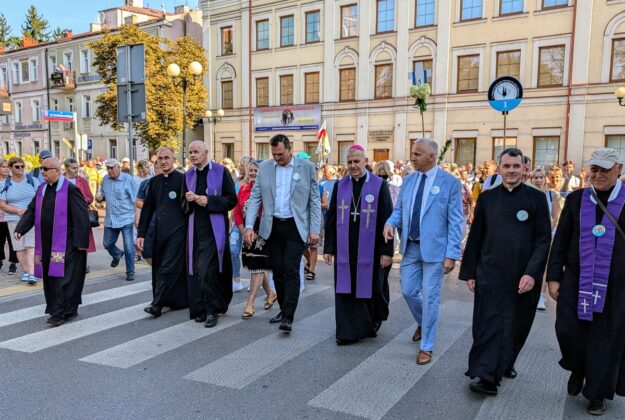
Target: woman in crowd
467, 203
238, 176
256, 256
16, 193
384, 171
143, 172
5, 235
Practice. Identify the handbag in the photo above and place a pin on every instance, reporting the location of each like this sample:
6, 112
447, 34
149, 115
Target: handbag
94, 218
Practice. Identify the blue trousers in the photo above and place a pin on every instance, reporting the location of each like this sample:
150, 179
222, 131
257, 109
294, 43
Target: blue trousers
110, 239
421, 286
235, 251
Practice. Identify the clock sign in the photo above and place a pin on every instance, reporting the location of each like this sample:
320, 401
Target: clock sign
505, 94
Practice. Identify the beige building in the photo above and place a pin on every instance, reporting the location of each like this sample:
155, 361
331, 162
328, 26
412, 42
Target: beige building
353, 57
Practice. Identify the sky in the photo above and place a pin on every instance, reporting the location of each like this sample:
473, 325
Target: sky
71, 14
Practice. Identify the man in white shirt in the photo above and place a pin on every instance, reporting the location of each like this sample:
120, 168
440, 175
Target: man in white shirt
571, 182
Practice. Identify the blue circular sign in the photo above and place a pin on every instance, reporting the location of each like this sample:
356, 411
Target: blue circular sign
505, 94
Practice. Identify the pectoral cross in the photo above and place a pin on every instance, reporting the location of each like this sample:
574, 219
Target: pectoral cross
585, 305
355, 214
342, 209
368, 212
596, 296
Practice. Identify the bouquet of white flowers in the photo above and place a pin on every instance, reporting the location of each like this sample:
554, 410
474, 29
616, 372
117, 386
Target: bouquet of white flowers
421, 93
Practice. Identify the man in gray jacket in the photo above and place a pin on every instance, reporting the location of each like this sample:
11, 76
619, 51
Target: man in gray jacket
291, 218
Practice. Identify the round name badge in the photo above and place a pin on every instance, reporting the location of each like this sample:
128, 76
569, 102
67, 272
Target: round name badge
369, 198
598, 231
296, 177
172, 195
435, 190
522, 216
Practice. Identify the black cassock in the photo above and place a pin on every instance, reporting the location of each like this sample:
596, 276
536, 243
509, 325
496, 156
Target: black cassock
210, 291
63, 294
594, 348
357, 318
500, 249
163, 202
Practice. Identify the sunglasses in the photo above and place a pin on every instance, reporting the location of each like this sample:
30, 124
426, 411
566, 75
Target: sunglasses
43, 168
18, 166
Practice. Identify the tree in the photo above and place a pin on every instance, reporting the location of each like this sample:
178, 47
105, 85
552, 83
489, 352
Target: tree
35, 26
163, 98
59, 33
5, 29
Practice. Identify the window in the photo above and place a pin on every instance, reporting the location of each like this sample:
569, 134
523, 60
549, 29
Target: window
86, 112
55, 104
85, 63
262, 151
7, 148
36, 109
287, 27
310, 148
262, 35
313, 27
509, 63
25, 74
554, 3
468, 73
112, 148
465, 150
36, 146
57, 148
227, 48
262, 91
226, 95
68, 60
347, 85
383, 81
386, 16
228, 150
507, 7
471, 9
311, 88
19, 148
617, 142
546, 151
51, 63
70, 104
425, 12
423, 71
16, 73
349, 21
18, 112
498, 145
343, 148
3, 77
286, 90
34, 69
551, 66
617, 72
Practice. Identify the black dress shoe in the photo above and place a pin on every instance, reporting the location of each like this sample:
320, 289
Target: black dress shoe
211, 321
55, 321
286, 325
276, 319
344, 342
70, 316
510, 373
130, 277
483, 387
377, 325
155, 311
201, 318
597, 407
116, 261
575, 385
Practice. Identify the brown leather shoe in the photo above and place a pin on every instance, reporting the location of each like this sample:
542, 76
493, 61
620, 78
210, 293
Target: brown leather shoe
417, 334
424, 357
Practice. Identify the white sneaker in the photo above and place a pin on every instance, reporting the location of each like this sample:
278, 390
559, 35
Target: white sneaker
541, 303
237, 287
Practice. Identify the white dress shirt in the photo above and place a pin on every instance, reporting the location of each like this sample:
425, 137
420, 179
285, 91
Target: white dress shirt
282, 200
427, 188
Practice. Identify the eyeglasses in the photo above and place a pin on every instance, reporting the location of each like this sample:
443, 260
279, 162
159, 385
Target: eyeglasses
17, 166
43, 168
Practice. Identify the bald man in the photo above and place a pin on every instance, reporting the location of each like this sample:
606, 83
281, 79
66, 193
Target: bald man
59, 214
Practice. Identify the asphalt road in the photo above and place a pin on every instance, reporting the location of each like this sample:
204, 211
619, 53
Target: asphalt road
114, 361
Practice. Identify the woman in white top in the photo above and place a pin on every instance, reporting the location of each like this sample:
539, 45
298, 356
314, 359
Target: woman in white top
5, 235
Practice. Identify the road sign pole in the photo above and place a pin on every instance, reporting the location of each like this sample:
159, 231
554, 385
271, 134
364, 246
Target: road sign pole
505, 115
76, 139
129, 116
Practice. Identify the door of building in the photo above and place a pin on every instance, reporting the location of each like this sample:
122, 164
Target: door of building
380, 154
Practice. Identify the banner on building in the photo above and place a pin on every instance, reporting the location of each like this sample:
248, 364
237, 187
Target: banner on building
288, 118
63, 116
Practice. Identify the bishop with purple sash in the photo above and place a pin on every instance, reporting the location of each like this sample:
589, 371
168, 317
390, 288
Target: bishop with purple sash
588, 260
58, 213
209, 266
353, 235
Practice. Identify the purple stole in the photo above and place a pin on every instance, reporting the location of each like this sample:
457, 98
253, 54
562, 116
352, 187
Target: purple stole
59, 230
366, 236
214, 180
595, 255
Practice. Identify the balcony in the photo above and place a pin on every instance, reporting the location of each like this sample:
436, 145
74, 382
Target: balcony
65, 79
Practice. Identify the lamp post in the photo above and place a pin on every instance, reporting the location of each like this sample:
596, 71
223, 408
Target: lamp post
213, 120
620, 94
173, 71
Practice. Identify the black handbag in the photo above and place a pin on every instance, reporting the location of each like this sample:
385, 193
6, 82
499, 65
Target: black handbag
94, 218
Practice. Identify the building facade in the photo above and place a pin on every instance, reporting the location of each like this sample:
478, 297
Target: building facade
354, 57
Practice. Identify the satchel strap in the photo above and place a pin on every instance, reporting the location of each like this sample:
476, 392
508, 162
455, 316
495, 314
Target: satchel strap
608, 213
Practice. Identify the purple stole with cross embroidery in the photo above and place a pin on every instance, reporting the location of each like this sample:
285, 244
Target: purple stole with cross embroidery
59, 230
366, 236
595, 255
214, 180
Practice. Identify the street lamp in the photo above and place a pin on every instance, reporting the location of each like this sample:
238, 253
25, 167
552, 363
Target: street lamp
214, 120
173, 71
620, 94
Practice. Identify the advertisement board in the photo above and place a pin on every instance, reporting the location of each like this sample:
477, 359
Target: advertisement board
288, 118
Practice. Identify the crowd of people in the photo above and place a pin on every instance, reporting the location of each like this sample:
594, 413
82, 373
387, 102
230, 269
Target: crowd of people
504, 222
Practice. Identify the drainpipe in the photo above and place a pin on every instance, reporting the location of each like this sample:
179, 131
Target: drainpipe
568, 96
249, 51
47, 74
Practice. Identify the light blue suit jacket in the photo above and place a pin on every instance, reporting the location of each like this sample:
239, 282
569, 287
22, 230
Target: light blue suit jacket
441, 226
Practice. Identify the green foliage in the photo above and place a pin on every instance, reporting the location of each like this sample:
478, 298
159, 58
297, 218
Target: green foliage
5, 29
59, 33
163, 98
13, 42
35, 26
443, 152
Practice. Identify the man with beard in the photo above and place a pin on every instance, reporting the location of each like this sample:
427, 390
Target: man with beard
163, 201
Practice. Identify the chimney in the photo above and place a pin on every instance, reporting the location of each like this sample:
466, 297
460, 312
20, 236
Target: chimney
68, 35
181, 9
1, 48
28, 42
95, 27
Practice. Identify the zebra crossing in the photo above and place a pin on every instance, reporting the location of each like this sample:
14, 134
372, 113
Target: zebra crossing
373, 379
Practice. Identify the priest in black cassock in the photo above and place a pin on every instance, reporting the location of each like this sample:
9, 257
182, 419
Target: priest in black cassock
58, 213
210, 195
586, 275
359, 206
163, 202
503, 264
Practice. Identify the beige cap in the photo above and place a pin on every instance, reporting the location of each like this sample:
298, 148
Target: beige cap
604, 157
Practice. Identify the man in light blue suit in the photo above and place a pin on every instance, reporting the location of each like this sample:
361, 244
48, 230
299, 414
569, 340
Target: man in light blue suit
428, 212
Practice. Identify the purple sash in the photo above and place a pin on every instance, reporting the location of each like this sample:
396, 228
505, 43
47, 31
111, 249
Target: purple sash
366, 236
214, 180
595, 255
59, 230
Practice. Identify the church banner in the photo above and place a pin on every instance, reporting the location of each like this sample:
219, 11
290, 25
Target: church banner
288, 118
